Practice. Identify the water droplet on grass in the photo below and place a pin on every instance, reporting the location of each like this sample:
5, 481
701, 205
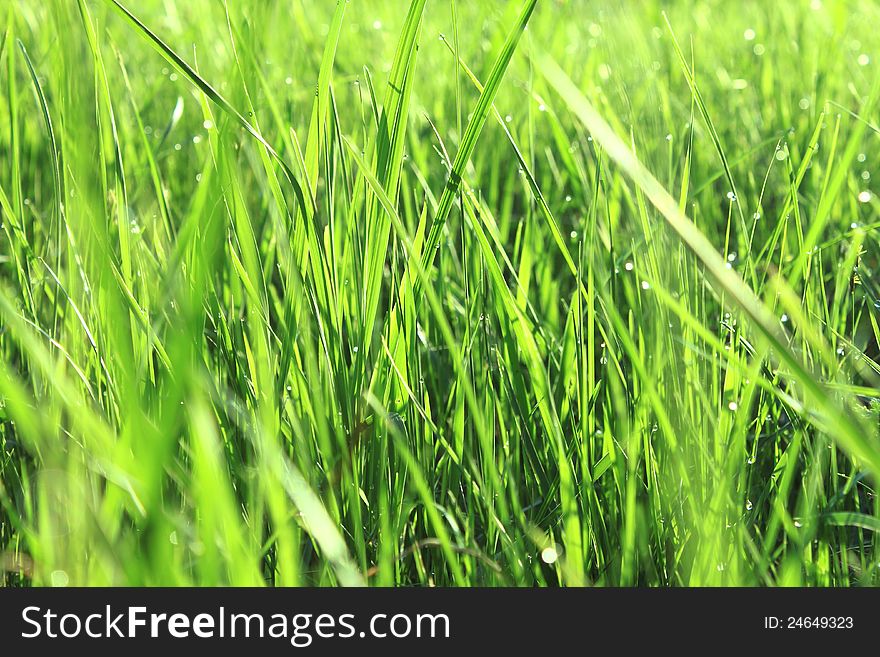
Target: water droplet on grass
59, 578
549, 555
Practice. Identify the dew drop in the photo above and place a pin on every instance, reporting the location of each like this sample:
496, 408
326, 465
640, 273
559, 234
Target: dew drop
59, 578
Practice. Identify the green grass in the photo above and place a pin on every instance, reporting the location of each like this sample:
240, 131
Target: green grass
538, 292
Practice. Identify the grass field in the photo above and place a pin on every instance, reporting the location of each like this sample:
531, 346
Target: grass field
439, 293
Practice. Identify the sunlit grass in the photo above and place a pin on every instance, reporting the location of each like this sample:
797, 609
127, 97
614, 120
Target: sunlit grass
439, 293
